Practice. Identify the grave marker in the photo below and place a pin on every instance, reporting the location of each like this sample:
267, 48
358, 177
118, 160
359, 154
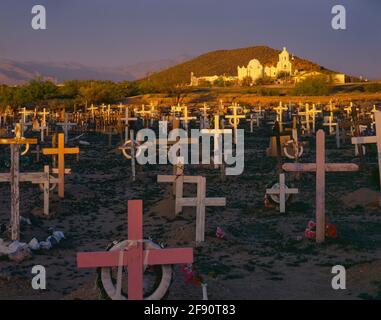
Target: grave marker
61, 151
134, 256
320, 167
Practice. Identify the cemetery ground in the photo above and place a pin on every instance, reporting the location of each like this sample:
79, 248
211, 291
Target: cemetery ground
264, 254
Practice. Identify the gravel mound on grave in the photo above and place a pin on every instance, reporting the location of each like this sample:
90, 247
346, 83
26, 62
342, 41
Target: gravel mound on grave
364, 197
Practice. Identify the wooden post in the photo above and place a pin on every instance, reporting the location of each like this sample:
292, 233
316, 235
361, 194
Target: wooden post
320, 187
46, 189
133, 170
15, 192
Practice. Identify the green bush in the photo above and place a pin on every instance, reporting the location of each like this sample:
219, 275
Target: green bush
312, 86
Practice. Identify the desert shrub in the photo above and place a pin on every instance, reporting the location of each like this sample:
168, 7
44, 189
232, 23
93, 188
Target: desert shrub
373, 87
312, 86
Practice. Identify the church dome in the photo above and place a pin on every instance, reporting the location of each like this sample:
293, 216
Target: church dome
254, 64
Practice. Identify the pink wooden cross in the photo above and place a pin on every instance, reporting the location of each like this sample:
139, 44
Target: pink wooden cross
320, 167
134, 256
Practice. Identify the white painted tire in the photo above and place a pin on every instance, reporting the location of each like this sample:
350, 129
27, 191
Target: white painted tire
286, 152
124, 150
275, 197
160, 290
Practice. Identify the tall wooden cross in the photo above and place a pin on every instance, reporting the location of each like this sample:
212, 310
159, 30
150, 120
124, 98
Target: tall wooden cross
43, 126
306, 115
186, 118
313, 112
126, 121
279, 111
234, 119
61, 151
66, 126
320, 167
135, 256
358, 141
15, 176
204, 119
217, 132
330, 122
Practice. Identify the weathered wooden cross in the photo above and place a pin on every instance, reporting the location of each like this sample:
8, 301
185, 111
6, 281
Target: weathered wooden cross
320, 167
234, 119
135, 256
201, 202
14, 176
61, 151
178, 180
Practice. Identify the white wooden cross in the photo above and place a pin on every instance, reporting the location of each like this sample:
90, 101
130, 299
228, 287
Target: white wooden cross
234, 119
252, 119
330, 122
126, 121
144, 114
92, 109
204, 120
313, 113
24, 114
348, 110
320, 167
282, 191
358, 141
43, 126
306, 115
131, 145
217, 132
201, 202
279, 115
66, 126
186, 118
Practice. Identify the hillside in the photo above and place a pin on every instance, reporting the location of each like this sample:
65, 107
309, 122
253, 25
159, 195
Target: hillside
222, 62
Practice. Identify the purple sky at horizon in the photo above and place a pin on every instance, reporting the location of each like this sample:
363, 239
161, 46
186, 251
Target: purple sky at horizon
114, 33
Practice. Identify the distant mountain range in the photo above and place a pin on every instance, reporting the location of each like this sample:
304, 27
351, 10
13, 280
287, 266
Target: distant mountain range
15, 72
